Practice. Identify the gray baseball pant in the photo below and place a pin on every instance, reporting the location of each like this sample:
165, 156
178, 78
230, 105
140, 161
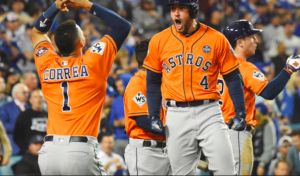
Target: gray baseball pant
61, 157
146, 160
242, 151
191, 128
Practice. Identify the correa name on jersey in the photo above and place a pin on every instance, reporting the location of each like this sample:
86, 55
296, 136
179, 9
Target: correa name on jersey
65, 73
173, 62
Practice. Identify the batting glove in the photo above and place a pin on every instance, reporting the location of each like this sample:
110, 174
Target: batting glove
238, 123
156, 124
292, 64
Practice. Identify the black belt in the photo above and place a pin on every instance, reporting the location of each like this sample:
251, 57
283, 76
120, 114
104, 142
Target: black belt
72, 139
158, 144
190, 103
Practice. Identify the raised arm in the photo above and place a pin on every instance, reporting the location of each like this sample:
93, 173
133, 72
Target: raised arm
120, 28
44, 23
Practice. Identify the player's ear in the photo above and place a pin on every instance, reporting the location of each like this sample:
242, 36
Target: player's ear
239, 43
80, 43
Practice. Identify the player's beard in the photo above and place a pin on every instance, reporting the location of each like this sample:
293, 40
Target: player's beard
185, 25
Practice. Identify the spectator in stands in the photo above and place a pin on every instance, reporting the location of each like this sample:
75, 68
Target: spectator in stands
112, 161
122, 7
14, 29
84, 18
3, 97
284, 145
147, 18
248, 6
117, 119
288, 38
25, 44
260, 15
121, 60
31, 122
281, 168
280, 60
216, 18
230, 14
2, 69
31, 81
29, 162
10, 112
6, 44
105, 127
18, 6
264, 141
272, 30
4, 142
13, 78
293, 157
290, 102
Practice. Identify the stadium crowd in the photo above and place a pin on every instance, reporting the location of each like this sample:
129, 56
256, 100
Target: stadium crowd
23, 110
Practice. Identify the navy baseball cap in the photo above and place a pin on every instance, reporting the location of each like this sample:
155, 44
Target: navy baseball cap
36, 139
239, 29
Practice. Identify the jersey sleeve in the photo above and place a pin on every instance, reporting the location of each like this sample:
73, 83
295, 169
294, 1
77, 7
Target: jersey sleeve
43, 54
254, 79
136, 101
227, 60
152, 61
101, 55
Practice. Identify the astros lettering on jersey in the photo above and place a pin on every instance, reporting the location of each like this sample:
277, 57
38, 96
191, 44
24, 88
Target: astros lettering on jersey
190, 65
74, 98
254, 83
135, 104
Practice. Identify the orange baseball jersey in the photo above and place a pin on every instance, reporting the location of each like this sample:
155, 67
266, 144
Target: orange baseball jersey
75, 88
254, 83
190, 65
135, 104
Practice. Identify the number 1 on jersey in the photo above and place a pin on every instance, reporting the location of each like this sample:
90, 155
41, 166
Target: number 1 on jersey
65, 87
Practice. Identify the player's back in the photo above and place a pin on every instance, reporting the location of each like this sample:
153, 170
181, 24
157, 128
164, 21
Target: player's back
74, 88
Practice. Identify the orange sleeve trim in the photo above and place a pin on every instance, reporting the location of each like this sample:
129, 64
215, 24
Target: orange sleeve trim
44, 41
111, 40
152, 69
230, 70
138, 113
262, 88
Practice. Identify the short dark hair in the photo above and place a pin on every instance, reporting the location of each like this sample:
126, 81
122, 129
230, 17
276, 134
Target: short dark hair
295, 132
66, 36
141, 51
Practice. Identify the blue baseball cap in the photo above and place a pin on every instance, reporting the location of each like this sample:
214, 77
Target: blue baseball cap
262, 107
110, 91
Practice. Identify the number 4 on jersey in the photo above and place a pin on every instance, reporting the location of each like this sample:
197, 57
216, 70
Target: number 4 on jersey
204, 82
65, 87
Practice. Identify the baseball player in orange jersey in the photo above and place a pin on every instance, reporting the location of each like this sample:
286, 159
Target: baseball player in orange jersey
184, 62
241, 36
144, 154
74, 86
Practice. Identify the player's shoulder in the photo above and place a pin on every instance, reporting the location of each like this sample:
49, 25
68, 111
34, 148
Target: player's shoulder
138, 81
246, 66
211, 31
163, 35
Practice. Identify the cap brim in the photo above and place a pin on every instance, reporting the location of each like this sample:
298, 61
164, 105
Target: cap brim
255, 31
